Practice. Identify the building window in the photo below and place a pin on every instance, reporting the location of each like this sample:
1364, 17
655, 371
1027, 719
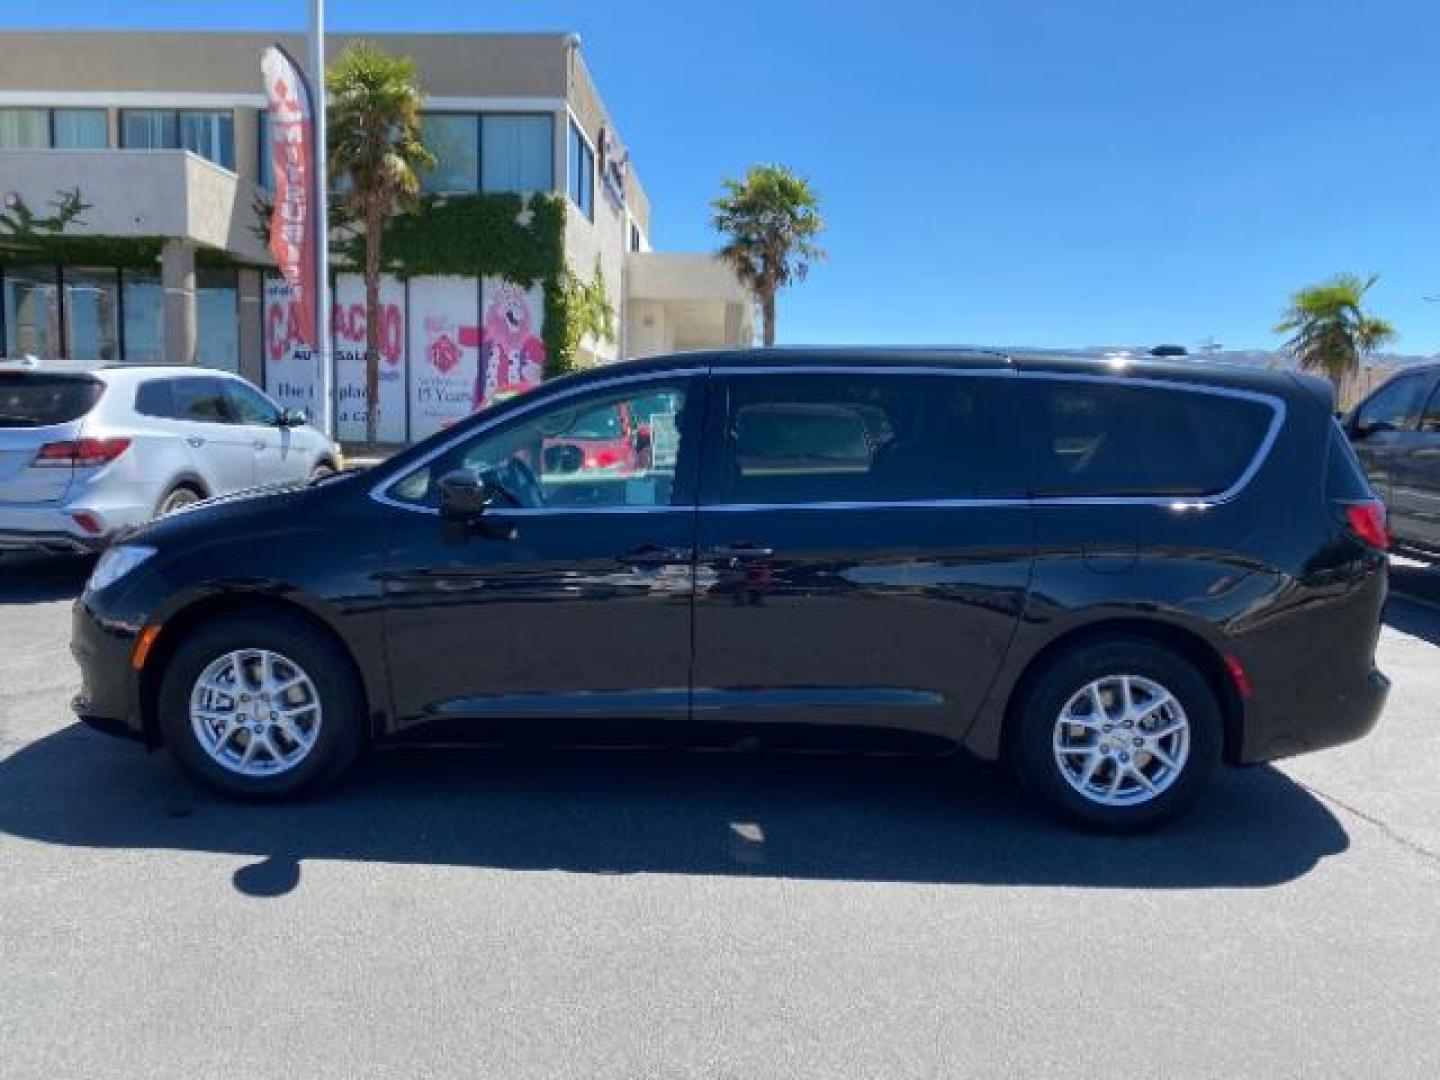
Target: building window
32, 312
143, 302
580, 161
209, 134
635, 244
92, 314
80, 129
453, 139
217, 320
24, 129
517, 153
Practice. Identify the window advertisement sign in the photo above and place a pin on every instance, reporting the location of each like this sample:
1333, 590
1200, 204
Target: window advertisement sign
512, 352
444, 352
348, 321
289, 361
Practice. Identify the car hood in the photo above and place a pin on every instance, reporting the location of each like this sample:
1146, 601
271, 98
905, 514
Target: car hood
224, 514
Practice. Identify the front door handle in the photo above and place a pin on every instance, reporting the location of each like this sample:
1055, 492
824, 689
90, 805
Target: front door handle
740, 551
653, 555
259, 446
195, 441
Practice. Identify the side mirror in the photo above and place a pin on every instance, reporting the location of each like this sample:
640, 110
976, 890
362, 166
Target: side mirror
1359, 429
294, 417
464, 496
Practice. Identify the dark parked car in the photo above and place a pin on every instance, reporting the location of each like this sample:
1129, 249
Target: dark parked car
1113, 575
1396, 431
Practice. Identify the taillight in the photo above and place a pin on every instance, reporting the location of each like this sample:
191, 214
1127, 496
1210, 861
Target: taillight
81, 453
1367, 521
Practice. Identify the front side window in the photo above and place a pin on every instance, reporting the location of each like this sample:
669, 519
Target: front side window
582, 452
1430, 421
1097, 439
249, 406
517, 153
1395, 406
453, 139
806, 438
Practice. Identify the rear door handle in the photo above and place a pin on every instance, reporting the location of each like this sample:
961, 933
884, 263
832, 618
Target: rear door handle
653, 555
195, 441
740, 551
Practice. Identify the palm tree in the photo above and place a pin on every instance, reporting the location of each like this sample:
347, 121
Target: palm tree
375, 155
1331, 331
772, 218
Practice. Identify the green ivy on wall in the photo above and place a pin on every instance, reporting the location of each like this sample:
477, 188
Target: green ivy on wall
509, 236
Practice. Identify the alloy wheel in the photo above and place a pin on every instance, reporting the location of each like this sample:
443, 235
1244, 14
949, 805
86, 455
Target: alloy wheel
1121, 740
257, 713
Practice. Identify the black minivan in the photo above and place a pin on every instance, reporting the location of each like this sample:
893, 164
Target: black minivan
1113, 575
1397, 433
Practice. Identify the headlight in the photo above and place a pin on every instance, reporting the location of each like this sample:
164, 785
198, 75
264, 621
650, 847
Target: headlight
115, 564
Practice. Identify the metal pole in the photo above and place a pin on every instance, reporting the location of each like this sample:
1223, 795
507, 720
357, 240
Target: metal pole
324, 366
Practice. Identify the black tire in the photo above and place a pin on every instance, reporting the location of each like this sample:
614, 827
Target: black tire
1034, 722
178, 496
340, 737
322, 470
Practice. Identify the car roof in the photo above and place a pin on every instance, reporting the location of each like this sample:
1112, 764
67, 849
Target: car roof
970, 358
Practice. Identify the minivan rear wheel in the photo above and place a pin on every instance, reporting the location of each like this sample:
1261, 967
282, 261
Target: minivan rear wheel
1117, 735
261, 707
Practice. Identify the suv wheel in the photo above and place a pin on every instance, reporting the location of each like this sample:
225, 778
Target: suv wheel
176, 497
261, 707
1118, 735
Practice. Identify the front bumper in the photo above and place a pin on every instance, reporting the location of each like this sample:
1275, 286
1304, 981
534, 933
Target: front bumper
109, 697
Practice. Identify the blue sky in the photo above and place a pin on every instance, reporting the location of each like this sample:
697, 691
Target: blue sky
1052, 172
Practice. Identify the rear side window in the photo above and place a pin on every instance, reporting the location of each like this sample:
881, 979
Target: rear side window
156, 398
28, 401
848, 438
201, 400
1107, 439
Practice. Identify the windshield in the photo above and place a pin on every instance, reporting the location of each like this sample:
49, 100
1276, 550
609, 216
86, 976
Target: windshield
29, 400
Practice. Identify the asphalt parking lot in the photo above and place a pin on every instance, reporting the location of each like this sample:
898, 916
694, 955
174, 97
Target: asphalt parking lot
658, 915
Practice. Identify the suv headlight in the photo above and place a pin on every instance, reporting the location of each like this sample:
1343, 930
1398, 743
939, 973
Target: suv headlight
115, 564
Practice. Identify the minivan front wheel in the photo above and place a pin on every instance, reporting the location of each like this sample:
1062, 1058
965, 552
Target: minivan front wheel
1118, 735
261, 707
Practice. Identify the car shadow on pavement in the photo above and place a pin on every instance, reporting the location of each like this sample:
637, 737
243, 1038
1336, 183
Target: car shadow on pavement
1414, 605
941, 821
42, 579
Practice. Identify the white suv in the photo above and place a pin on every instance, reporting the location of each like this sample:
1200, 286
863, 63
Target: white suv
88, 454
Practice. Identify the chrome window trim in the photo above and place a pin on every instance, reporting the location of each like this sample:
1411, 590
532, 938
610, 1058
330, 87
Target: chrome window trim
1173, 502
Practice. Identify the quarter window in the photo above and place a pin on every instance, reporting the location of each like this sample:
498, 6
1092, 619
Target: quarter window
848, 438
1103, 439
618, 448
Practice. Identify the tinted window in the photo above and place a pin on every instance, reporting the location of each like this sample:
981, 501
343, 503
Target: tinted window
560, 444
40, 400
848, 438
249, 406
1397, 404
1099, 439
199, 399
156, 398
1430, 421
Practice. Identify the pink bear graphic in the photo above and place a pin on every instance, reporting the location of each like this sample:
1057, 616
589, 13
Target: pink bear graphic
512, 356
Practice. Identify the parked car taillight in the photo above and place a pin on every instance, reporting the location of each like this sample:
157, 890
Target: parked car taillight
1367, 521
81, 453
